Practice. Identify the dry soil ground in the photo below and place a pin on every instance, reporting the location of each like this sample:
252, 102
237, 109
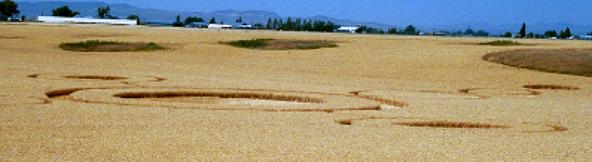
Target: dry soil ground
372, 98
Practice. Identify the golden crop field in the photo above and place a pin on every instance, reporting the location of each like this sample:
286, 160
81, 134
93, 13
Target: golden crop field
376, 98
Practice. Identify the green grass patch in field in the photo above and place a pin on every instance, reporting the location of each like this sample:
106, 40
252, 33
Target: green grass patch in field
275, 44
501, 43
109, 46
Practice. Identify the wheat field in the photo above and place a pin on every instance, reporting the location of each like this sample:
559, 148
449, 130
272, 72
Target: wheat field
378, 98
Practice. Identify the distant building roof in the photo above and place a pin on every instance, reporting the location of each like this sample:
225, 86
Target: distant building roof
79, 20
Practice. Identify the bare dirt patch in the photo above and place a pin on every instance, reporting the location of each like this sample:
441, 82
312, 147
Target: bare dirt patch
564, 61
551, 87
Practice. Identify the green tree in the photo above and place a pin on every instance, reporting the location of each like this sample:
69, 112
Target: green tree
410, 30
567, 33
469, 31
178, 22
550, 33
393, 31
507, 34
276, 24
289, 26
361, 29
104, 12
522, 32
298, 24
134, 17
192, 19
269, 24
64, 11
481, 33
329, 27
213, 20
307, 25
530, 35
8, 8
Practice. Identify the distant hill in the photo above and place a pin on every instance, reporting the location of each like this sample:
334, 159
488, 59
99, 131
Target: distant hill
33, 9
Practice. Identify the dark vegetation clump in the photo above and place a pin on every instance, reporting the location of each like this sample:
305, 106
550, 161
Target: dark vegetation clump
501, 43
276, 44
109, 46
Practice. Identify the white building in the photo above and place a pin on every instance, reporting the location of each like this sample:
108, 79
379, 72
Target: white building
348, 29
219, 26
79, 20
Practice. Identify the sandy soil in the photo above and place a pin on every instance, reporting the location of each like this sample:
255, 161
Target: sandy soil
379, 98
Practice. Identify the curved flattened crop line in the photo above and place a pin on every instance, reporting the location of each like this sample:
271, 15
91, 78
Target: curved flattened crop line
158, 79
244, 95
96, 77
449, 124
468, 92
68, 91
551, 129
471, 91
141, 93
551, 87
390, 102
8, 100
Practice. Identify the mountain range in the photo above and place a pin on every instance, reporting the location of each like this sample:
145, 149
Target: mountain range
89, 9
33, 9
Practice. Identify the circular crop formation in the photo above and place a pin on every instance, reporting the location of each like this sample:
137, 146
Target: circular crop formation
221, 99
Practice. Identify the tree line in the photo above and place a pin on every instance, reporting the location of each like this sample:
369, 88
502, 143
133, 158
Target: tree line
9, 8
300, 24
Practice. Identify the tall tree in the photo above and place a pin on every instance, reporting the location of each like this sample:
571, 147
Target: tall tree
410, 30
522, 31
393, 31
269, 24
104, 12
178, 22
550, 33
567, 33
481, 33
8, 8
276, 24
64, 11
192, 19
213, 20
239, 20
469, 31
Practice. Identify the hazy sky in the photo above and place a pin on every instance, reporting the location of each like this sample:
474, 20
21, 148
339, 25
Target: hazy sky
422, 12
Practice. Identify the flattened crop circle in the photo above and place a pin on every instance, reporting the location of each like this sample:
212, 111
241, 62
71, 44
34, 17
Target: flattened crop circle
224, 99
